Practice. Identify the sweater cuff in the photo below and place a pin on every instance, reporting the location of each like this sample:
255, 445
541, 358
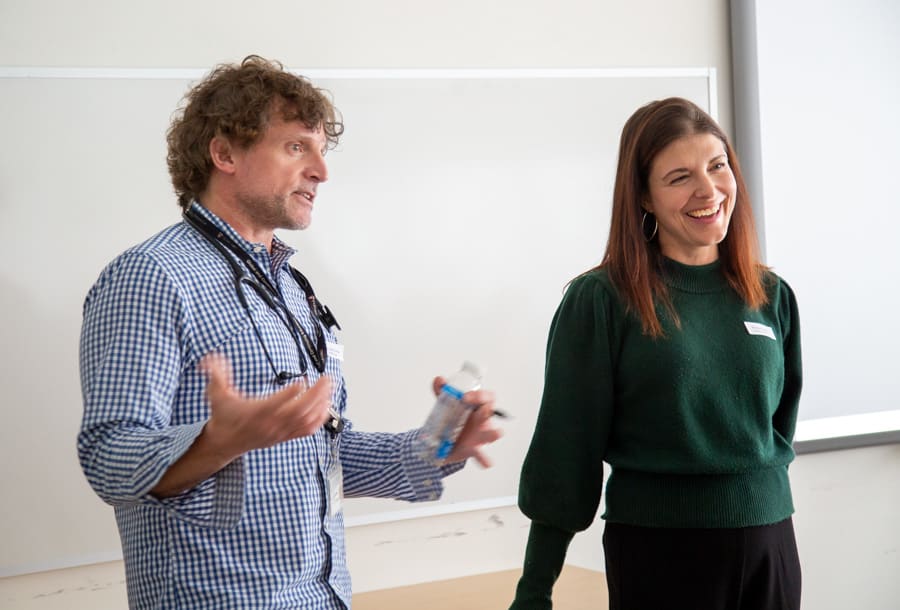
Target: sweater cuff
544, 557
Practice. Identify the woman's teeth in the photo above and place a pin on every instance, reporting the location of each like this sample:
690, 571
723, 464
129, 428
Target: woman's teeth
703, 213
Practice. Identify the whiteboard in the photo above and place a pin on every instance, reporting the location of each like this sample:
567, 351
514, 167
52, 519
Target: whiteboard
459, 204
828, 131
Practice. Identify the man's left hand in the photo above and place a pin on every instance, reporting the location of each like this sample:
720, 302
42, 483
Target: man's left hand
478, 430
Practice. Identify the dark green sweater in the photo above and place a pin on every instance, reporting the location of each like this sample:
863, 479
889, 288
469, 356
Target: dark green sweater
696, 426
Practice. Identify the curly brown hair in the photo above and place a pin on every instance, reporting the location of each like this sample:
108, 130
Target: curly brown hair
236, 102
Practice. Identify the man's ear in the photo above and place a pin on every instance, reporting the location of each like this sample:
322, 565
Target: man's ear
220, 151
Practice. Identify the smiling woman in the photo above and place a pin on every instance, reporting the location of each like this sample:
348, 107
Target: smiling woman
676, 140
642, 354
692, 193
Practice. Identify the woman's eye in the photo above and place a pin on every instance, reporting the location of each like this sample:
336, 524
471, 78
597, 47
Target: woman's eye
678, 180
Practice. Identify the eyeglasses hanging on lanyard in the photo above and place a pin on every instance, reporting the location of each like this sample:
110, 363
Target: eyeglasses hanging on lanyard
263, 287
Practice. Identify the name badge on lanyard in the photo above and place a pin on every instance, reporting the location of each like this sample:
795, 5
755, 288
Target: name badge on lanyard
335, 477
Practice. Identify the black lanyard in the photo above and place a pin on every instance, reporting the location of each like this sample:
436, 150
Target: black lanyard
269, 293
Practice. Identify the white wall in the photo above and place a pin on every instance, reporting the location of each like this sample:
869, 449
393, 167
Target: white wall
378, 34
829, 132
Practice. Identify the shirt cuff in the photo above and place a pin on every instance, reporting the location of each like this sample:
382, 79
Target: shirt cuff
218, 501
425, 477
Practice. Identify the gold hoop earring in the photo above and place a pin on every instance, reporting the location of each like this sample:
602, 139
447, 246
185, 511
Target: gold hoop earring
644, 227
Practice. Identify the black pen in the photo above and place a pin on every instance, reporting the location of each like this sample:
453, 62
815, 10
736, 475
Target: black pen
500, 414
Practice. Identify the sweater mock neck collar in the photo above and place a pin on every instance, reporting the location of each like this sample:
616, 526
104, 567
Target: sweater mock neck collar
694, 278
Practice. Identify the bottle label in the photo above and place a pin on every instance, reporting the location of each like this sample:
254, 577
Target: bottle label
449, 389
444, 449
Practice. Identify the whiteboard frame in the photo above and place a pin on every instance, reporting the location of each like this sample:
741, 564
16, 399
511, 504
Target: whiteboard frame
812, 435
395, 73
418, 512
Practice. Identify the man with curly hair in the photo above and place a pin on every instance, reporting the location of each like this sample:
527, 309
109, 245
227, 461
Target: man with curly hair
214, 401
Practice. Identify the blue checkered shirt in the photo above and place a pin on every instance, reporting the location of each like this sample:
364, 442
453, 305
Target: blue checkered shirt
257, 534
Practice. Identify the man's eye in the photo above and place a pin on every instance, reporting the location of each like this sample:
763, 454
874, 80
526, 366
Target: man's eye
298, 148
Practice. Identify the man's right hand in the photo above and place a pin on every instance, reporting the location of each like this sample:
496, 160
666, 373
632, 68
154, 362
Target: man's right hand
238, 424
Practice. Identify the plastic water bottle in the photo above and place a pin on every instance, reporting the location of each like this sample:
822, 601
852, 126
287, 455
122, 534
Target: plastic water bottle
448, 416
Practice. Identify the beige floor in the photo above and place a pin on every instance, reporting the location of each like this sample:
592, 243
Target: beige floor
577, 589
102, 587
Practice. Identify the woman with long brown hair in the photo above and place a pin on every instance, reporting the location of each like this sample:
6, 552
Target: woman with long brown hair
677, 362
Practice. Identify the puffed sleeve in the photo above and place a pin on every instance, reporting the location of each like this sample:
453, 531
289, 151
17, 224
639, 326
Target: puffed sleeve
562, 475
785, 418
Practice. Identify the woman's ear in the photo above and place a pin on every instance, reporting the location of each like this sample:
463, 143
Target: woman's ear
220, 151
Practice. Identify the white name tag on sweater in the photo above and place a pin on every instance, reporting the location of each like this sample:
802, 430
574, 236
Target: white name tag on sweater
755, 328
